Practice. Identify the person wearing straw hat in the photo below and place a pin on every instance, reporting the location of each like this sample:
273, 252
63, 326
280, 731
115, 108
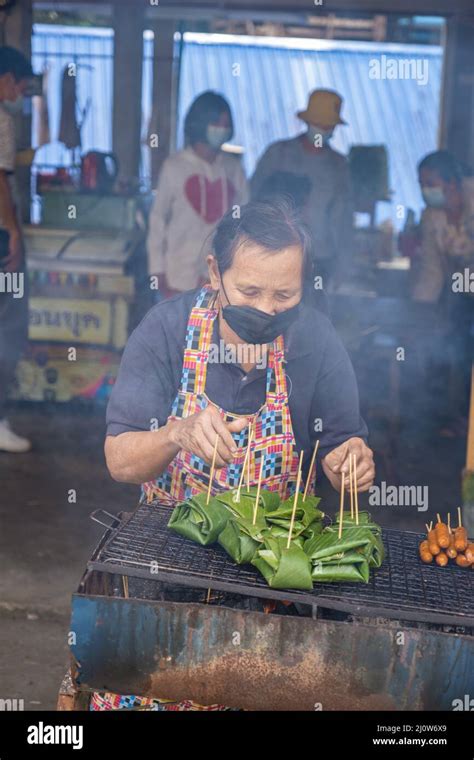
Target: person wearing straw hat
186, 417
329, 209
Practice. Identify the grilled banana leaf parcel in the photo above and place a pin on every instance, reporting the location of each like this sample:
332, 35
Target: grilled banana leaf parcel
374, 551
267, 499
199, 521
365, 520
239, 508
283, 567
276, 531
306, 512
244, 507
328, 545
241, 539
314, 529
350, 568
358, 548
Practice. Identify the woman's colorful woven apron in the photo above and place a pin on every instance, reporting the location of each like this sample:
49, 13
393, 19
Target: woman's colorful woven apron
187, 474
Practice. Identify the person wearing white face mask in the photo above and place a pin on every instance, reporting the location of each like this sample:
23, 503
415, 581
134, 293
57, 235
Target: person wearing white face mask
196, 186
447, 225
446, 252
329, 209
15, 70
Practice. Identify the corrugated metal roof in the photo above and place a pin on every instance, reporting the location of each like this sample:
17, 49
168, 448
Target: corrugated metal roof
276, 77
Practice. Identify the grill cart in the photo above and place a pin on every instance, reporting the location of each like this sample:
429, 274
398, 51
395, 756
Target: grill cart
160, 616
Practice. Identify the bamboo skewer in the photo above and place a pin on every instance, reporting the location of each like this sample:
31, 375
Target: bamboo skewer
449, 523
341, 505
308, 479
351, 484
258, 490
242, 474
248, 458
213, 465
356, 498
459, 518
298, 481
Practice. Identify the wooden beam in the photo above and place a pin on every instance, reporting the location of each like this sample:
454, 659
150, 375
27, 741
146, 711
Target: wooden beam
179, 8
418, 7
457, 106
17, 30
163, 120
127, 89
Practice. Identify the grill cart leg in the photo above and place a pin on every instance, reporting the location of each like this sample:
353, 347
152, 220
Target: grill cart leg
69, 698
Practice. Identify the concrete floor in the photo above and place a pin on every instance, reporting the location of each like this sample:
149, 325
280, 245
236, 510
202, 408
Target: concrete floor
46, 541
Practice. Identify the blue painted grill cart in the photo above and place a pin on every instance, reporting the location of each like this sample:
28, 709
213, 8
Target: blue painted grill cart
160, 616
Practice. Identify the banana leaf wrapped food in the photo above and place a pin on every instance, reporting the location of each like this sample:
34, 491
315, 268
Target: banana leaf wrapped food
374, 550
307, 522
199, 521
347, 558
276, 531
246, 503
283, 567
241, 538
352, 567
306, 511
267, 499
299, 535
365, 519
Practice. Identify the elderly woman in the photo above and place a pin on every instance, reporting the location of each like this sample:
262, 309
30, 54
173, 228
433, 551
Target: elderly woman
244, 352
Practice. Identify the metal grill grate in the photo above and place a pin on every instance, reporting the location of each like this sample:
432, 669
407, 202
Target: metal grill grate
404, 588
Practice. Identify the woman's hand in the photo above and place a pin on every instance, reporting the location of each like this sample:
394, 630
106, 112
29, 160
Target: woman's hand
337, 462
197, 434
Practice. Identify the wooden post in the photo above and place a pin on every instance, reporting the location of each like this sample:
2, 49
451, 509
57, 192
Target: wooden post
456, 134
17, 26
127, 91
470, 431
163, 119
468, 474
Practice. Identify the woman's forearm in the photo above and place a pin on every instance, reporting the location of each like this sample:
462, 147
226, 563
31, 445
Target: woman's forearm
139, 457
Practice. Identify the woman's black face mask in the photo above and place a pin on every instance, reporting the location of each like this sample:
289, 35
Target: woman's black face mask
255, 326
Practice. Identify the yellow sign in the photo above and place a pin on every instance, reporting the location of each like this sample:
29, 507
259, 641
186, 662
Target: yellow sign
71, 320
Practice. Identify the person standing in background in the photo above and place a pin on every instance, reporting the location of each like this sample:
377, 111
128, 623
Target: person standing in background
329, 210
447, 225
197, 185
15, 70
446, 252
